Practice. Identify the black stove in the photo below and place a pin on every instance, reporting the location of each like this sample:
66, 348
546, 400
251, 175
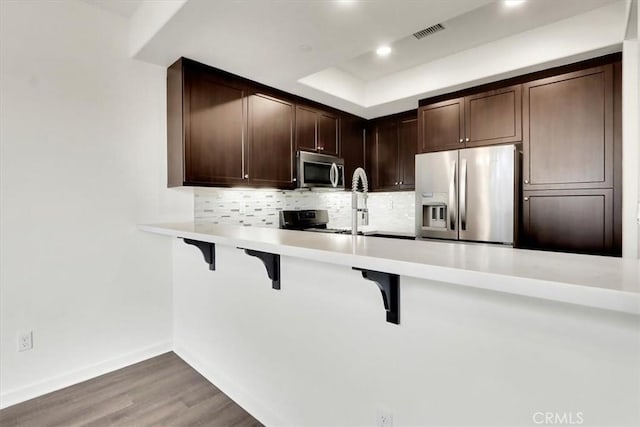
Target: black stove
308, 220
304, 219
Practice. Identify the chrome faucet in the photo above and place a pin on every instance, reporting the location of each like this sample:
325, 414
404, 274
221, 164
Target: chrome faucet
359, 175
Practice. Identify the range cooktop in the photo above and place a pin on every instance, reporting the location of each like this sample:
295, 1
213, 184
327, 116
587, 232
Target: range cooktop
316, 220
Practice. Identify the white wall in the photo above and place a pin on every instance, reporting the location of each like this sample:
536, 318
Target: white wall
83, 154
320, 353
148, 19
630, 148
631, 136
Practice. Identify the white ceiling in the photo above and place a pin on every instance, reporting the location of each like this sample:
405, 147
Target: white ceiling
323, 49
270, 38
124, 8
479, 26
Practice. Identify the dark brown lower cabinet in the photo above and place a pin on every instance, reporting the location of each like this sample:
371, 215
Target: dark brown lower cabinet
568, 220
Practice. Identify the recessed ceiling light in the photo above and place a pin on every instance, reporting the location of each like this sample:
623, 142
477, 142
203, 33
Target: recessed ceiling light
346, 2
511, 3
383, 50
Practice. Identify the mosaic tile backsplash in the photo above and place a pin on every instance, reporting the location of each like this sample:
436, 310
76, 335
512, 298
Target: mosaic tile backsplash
259, 208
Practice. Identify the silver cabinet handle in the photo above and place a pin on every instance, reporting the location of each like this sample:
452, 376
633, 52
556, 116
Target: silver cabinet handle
453, 197
467, 140
526, 199
246, 176
463, 195
395, 183
400, 182
461, 140
294, 179
526, 181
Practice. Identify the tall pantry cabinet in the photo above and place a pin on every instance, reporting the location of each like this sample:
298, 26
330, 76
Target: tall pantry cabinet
569, 167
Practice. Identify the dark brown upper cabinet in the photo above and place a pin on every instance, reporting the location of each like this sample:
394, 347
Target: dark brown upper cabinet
407, 149
395, 141
317, 130
226, 131
207, 121
441, 125
386, 146
328, 133
492, 117
270, 154
568, 123
306, 128
352, 132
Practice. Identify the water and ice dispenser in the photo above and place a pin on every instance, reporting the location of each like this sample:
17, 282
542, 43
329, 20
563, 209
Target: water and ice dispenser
434, 215
433, 211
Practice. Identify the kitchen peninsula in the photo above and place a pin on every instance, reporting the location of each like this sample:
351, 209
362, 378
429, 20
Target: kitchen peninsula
537, 329
591, 281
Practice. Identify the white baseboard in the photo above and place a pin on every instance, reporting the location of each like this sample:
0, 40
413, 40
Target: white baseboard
57, 382
230, 388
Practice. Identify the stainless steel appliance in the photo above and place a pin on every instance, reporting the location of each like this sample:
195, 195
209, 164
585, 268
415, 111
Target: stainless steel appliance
320, 170
467, 194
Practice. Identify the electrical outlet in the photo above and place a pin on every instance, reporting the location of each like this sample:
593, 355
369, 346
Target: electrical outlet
384, 419
25, 341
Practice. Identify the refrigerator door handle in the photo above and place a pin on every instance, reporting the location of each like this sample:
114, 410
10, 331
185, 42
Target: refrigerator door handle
453, 197
463, 195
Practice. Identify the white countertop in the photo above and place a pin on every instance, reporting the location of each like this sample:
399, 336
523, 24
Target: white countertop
593, 281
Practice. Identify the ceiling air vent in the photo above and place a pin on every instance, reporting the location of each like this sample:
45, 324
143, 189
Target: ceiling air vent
428, 31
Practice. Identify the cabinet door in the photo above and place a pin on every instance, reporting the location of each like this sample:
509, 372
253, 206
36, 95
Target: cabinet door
352, 144
407, 149
441, 125
215, 122
493, 117
270, 141
386, 134
568, 130
569, 220
328, 133
306, 128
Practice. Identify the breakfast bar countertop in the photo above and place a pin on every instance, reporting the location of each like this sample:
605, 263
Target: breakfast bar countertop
593, 281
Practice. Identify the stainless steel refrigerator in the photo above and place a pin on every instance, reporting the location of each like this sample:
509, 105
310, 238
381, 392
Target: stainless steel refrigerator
467, 194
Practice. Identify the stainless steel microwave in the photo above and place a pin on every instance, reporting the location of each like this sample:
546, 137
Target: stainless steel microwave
320, 170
